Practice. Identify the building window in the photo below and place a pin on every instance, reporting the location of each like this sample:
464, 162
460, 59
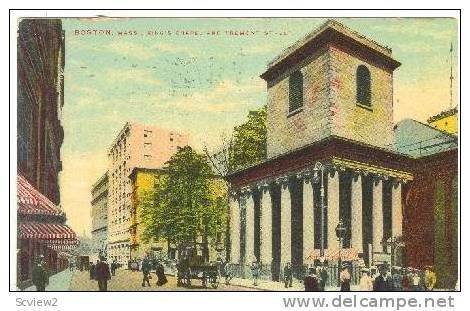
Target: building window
296, 92
147, 156
363, 93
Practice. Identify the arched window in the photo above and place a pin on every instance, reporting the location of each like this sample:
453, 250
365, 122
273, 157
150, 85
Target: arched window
296, 93
363, 94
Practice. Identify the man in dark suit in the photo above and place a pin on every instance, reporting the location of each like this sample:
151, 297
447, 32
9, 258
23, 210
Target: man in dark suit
102, 274
382, 282
40, 275
311, 282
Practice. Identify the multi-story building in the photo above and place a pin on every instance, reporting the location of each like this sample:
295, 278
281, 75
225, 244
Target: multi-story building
136, 145
340, 179
99, 215
41, 221
41, 60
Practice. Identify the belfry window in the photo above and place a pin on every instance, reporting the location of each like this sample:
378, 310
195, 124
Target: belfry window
363, 92
296, 93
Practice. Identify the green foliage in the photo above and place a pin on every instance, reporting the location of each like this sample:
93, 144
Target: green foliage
186, 203
249, 141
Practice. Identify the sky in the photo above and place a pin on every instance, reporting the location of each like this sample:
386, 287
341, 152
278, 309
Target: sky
201, 76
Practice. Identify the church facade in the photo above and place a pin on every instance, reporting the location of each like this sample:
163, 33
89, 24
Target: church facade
331, 160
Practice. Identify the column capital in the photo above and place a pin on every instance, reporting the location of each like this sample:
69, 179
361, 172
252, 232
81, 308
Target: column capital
283, 181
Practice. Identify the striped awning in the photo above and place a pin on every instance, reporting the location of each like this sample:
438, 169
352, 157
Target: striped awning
52, 233
347, 254
32, 202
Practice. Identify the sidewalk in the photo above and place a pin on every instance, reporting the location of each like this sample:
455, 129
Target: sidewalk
277, 286
57, 282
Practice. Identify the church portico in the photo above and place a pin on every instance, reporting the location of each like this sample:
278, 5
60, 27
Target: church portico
293, 232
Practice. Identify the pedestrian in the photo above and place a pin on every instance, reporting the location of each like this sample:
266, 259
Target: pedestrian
288, 275
255, 270
40, 275
228, 273
397, 279
365, 283
102, 274
345, 278
323, 276
92, 270
381, 282
311, 282
415, 281
161, 275
146, 267
274, 271
429, 278
113, 267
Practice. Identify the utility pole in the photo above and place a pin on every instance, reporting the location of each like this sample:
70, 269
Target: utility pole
451, 76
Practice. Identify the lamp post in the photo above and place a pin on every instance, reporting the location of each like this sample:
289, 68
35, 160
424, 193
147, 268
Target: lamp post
340, 232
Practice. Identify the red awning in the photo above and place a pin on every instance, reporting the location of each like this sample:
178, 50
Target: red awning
347, 254
31, 201
53, 233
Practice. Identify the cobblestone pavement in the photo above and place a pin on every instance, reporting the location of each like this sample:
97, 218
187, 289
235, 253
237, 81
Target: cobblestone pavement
126, 280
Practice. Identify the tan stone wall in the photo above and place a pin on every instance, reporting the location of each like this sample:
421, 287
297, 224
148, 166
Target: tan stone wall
330, 106
309, 125
351, 121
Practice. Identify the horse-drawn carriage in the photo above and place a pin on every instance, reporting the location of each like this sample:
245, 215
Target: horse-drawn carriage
193, 266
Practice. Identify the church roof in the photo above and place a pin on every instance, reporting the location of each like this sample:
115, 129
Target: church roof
330, 32
417, 139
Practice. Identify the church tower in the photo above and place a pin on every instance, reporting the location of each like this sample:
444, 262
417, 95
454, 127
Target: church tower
334, 82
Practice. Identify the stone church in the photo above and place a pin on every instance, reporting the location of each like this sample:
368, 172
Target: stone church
331, 160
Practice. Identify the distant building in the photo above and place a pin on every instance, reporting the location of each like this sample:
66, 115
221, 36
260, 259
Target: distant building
446, 121
136, 145
41, 228
99, 216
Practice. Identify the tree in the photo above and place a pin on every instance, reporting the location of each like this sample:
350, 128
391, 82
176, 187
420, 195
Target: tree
249, 140
186, 204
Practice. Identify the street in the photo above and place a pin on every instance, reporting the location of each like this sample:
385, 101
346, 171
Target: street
126, 280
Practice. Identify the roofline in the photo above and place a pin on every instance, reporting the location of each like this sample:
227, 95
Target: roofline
325, 34
319, 142
100, 180
116, 139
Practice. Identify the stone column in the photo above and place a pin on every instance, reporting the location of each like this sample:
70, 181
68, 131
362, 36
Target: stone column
234, 230
356, 213
397, 212
250, 229
286, 253
377, 217
333, 209
266, 228
308, 219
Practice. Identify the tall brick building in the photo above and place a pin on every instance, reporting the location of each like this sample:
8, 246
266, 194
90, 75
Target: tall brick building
41, 228
41, 59
136, 145
333, 150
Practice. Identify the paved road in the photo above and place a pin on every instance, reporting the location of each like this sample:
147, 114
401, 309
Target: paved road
126, 280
